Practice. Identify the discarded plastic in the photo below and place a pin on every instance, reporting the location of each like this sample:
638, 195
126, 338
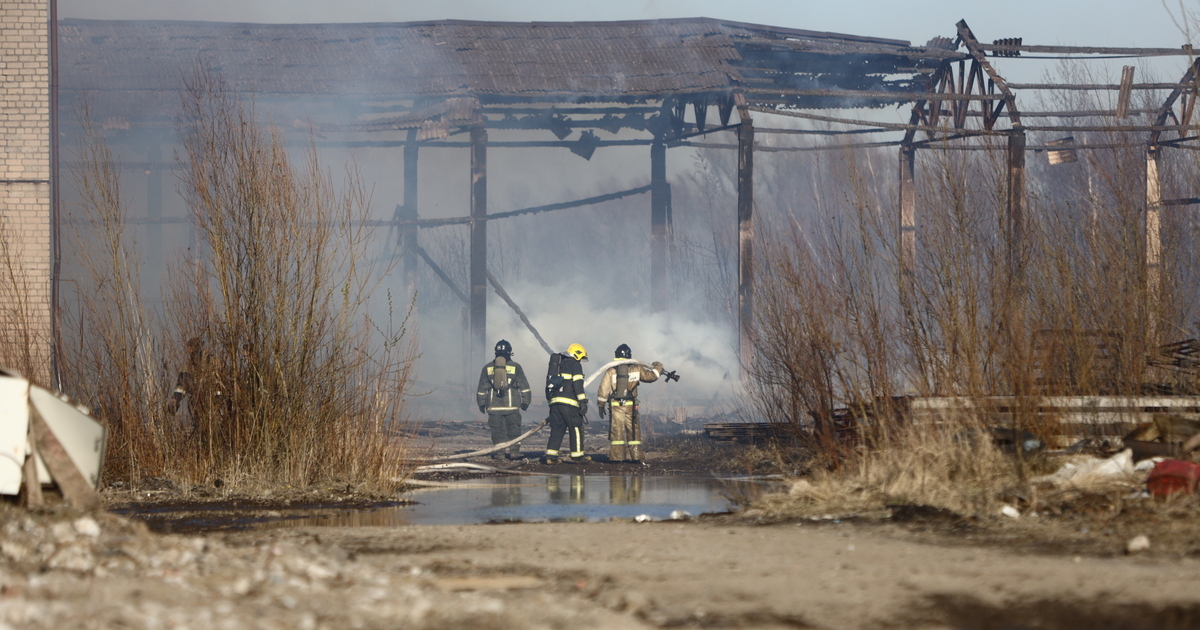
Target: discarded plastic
680, 515
1093, 471
1137, 544
1010, 511
1147, 465
643, 518
66, 446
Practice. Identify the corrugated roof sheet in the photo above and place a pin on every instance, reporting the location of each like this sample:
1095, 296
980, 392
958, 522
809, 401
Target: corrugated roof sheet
447, 58
428, 59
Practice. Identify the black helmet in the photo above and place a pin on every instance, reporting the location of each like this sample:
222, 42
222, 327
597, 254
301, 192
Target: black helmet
623, 352
503, 348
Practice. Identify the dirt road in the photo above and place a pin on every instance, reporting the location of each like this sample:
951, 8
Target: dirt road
67, 571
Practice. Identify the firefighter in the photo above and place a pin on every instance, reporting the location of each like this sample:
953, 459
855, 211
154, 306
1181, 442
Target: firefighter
198, 382
568, 403
503, 393
618, 395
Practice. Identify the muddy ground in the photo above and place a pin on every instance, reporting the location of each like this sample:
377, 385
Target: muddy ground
920, 568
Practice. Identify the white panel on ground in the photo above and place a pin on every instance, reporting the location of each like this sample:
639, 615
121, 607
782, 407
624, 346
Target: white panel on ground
81, 436
14, 431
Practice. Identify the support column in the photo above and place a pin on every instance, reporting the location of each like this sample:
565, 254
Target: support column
745, 239
659, 199
1153, 229
478, 265
1018, 360
1015, 208
908, 225
408, 233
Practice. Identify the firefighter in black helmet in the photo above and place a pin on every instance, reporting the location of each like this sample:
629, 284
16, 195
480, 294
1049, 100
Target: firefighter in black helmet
503, 393
568, 404
618, 397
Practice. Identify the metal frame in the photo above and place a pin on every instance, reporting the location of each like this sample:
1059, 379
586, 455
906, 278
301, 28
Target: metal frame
955, 96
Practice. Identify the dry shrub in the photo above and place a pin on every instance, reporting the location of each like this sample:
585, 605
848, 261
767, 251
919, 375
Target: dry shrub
296, 381
22, 347
111, 350
289, 379
1064, 312
945, 466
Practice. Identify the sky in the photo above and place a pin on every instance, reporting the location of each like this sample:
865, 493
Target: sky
1069, 22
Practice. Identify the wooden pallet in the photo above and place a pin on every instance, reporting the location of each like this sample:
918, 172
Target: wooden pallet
746, 432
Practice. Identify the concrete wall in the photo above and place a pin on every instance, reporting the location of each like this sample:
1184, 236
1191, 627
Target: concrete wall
25, 254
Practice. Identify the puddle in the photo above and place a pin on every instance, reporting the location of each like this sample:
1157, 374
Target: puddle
566, 498
548, 498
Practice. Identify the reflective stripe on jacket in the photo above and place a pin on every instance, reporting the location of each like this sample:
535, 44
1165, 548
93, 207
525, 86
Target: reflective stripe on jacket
517, 392
608, 384
571, 391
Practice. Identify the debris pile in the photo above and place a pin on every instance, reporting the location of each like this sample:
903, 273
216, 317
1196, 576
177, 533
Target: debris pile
70, 570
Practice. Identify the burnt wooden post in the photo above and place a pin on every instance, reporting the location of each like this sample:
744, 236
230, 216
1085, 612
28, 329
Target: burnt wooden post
1015, 208
478, 266
659, 199
408, 233
908, 224
1153, 227
745, 235
1015, 285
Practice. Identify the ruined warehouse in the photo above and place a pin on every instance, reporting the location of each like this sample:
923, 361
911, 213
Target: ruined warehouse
571, 88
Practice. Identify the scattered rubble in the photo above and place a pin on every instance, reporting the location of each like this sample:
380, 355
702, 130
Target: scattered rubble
64, 570
1137, 544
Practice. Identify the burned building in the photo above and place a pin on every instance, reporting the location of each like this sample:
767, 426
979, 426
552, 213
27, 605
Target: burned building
575, 86
488, 88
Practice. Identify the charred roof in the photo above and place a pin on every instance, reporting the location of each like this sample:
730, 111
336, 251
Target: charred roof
492, 61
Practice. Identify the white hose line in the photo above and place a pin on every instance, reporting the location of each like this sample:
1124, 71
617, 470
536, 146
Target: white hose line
504, 445
612, 364
491, 449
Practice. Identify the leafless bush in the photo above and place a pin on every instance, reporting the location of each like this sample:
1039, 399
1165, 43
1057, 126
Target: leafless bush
111, 349
1074, 318
21, 346
289, 379
300, 383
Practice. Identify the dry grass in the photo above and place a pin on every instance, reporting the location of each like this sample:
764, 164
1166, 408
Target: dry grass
291, 381
833, 333
22, 347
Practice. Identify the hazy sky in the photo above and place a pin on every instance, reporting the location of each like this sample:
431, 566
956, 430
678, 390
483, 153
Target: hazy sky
1090, 22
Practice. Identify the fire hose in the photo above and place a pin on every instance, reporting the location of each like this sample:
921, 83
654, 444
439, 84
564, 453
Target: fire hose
503, 445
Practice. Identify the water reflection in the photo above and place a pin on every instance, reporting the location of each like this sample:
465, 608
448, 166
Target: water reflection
566, 498
623, 490
553, 498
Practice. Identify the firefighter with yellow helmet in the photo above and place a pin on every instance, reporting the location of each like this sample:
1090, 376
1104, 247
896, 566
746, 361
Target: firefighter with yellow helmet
568, 404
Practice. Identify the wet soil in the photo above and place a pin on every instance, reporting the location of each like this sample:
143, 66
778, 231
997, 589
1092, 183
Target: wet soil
920, 568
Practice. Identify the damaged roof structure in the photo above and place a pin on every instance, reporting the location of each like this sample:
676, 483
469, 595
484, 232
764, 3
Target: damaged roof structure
496, 62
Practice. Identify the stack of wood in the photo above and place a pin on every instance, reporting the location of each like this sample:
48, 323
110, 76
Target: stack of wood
1175, 435
746, 432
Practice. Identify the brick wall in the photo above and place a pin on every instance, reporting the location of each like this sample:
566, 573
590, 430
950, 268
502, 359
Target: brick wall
24, 186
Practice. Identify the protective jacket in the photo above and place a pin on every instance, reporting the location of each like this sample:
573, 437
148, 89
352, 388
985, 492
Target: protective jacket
567, 403
618, 392
609, 390
570, 390
508, 398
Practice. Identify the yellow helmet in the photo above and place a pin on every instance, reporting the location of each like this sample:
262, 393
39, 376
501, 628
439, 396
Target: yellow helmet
577, 351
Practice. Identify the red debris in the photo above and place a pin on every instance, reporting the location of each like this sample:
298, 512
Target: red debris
1173, 475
